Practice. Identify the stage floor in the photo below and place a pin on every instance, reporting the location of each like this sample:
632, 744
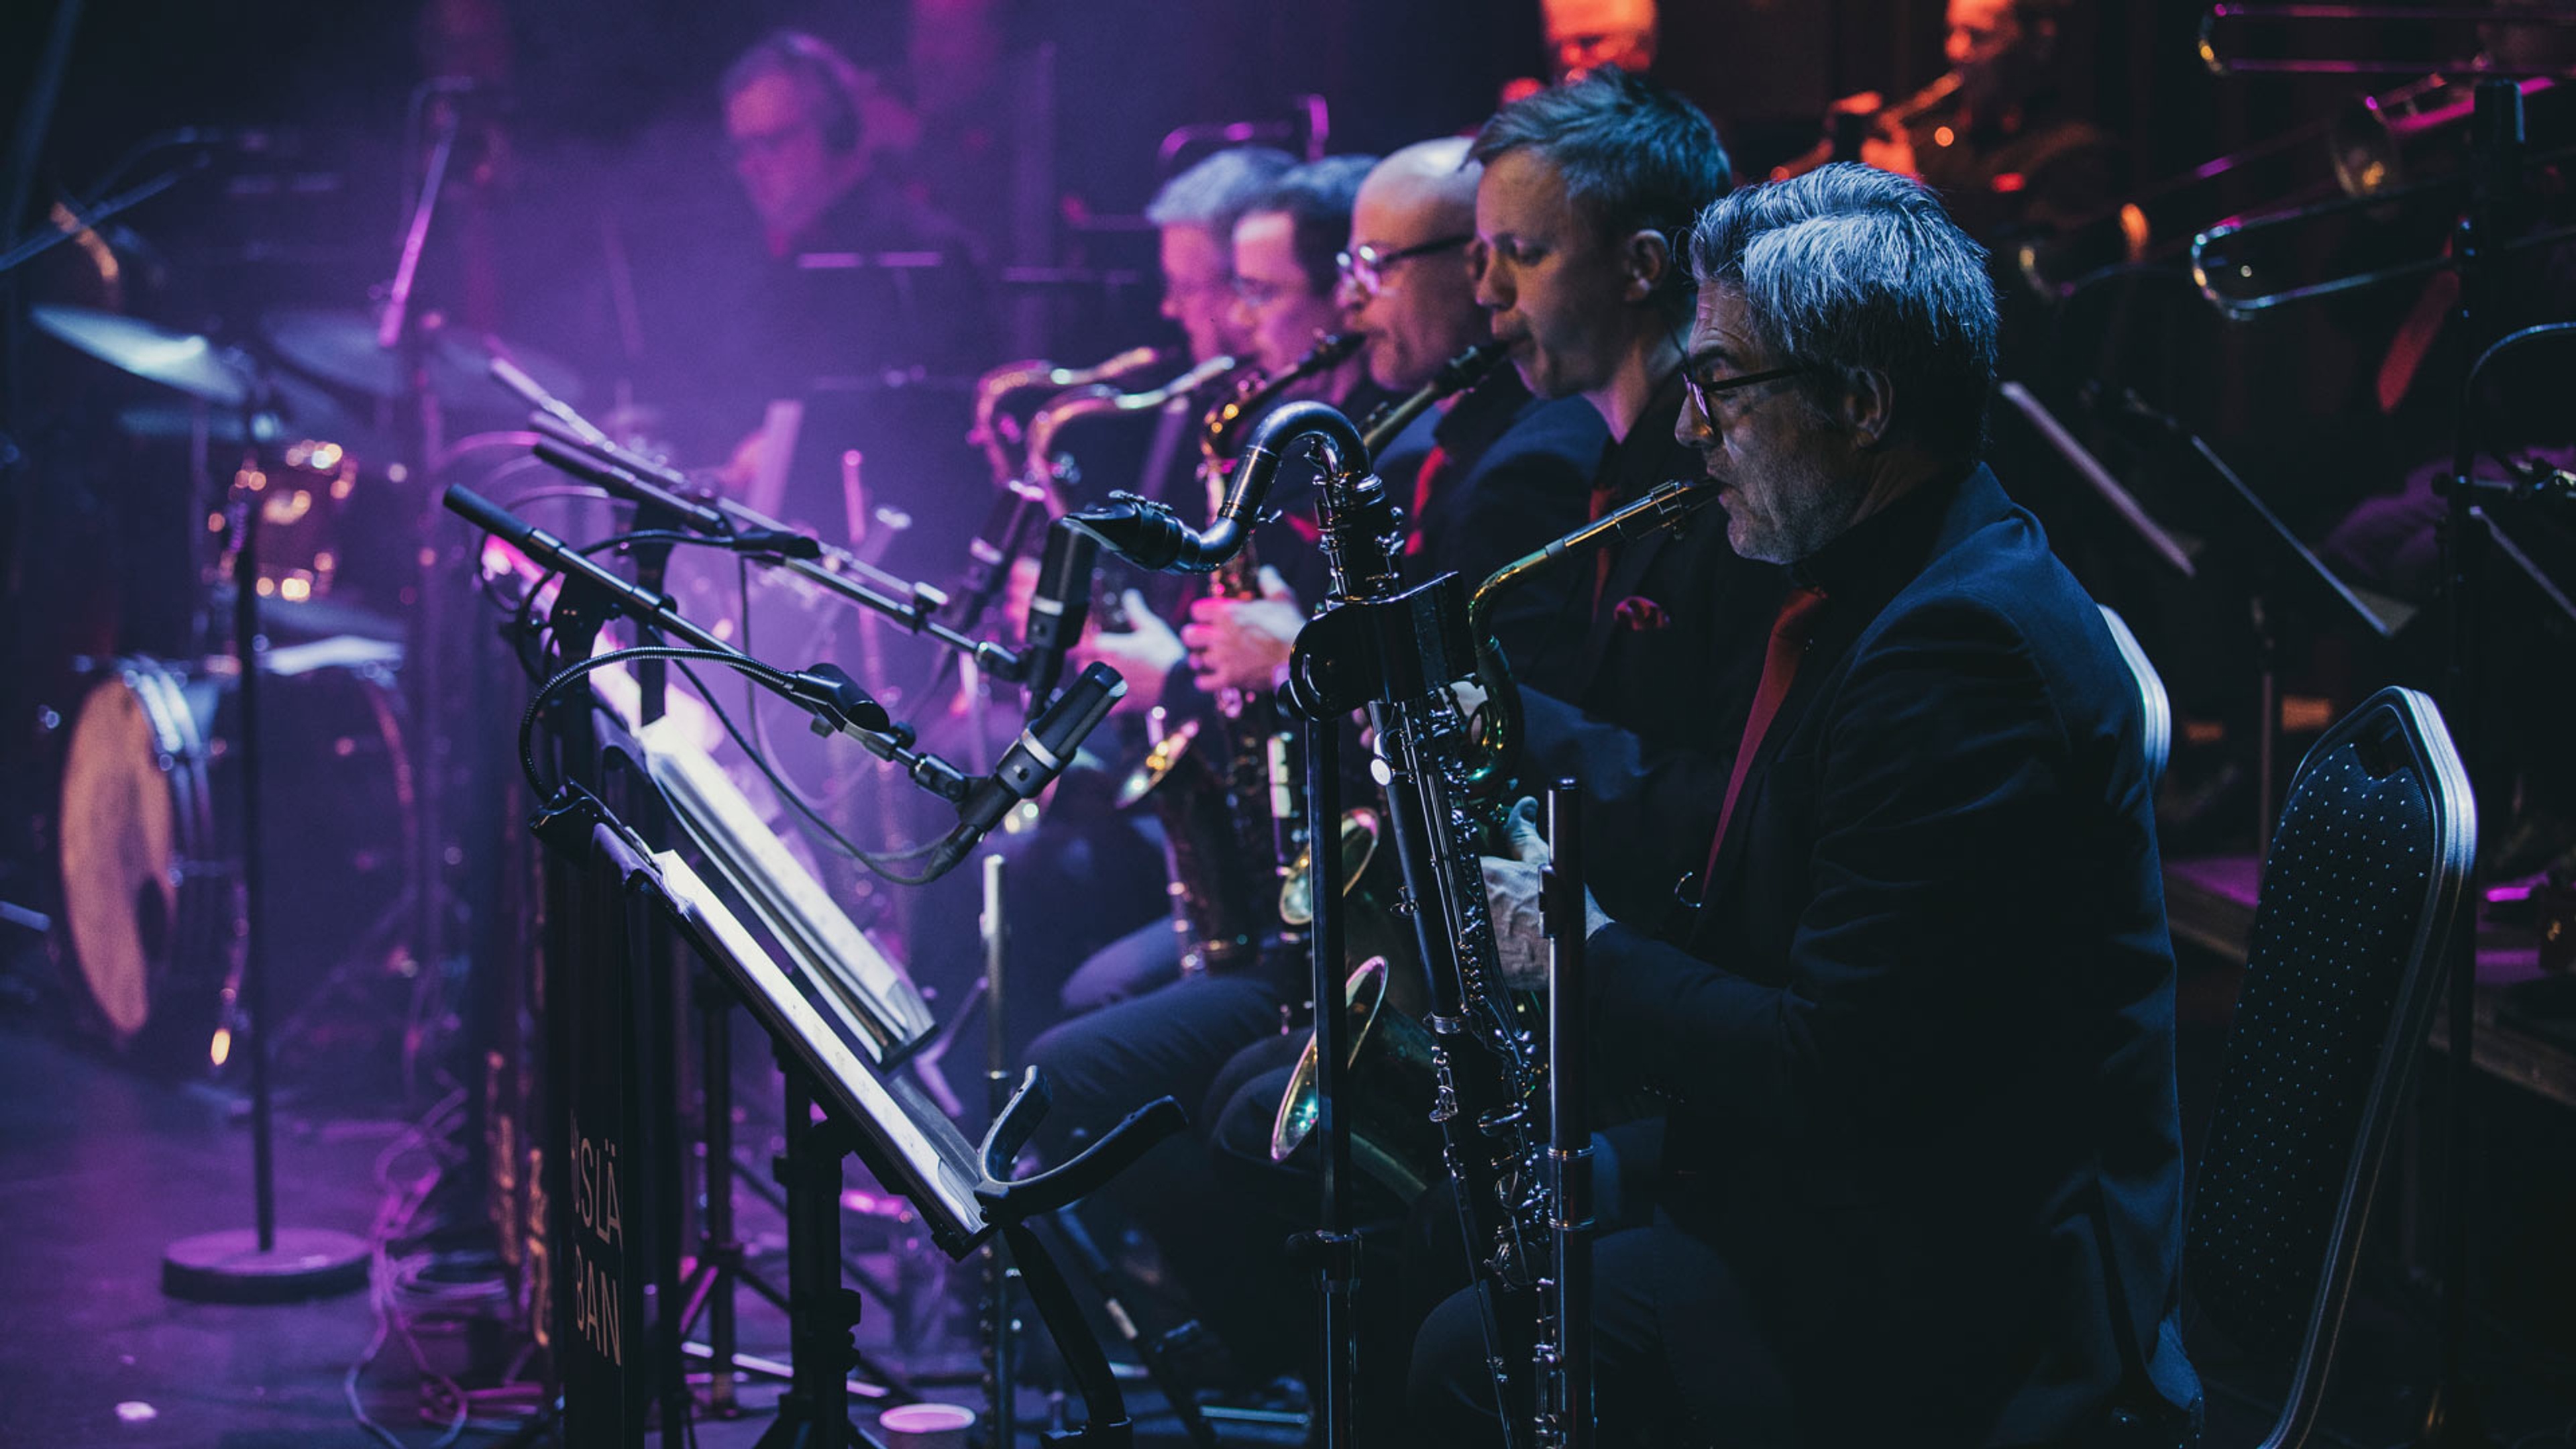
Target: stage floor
101, 1167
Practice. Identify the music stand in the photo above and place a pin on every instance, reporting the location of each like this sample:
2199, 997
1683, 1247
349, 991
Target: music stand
962, 1192
2281, 574
868, 994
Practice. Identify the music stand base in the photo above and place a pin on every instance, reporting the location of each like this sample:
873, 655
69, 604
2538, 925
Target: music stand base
228, 1267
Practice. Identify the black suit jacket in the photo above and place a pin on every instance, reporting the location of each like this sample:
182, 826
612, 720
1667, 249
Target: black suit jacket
1920, 1044
1642, 697
1512, 481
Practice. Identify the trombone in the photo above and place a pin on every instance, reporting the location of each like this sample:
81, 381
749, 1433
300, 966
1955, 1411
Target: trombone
2222, 59
2219, 254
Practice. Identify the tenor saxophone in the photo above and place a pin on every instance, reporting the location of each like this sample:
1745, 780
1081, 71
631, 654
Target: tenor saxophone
994, 432
1226, 824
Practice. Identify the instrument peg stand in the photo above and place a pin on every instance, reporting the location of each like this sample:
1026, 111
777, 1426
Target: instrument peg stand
1010, 1204
266, 1264
1565, 1410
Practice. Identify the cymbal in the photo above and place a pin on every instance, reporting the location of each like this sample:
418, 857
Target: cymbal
181, 360
292, 408
340, 348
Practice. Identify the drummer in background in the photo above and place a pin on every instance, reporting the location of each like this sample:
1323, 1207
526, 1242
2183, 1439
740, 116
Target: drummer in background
864, 280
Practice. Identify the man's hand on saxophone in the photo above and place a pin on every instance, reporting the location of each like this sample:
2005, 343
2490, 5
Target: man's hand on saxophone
1512, 895
1241, 643
1143, 654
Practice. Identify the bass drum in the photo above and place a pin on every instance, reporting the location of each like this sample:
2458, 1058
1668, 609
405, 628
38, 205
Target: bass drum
151, 842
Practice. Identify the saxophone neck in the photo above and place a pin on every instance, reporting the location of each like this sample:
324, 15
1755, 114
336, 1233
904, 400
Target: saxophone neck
1459, 374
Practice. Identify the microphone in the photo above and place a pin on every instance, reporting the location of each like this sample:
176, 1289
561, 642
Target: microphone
1057, 612
693, 515
995, 544
528, 390
836, 700
1032, 762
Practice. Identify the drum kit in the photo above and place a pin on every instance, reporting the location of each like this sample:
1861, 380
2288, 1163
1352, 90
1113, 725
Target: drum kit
151, 805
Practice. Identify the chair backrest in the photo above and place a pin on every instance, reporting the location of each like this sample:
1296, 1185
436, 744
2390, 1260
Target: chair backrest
2360, 894
2156, 705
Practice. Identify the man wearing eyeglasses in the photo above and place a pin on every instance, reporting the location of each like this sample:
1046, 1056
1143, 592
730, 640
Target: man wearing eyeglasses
1921, 1170
1502, 472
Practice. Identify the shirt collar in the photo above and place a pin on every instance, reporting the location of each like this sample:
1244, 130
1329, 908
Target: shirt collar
1886, 548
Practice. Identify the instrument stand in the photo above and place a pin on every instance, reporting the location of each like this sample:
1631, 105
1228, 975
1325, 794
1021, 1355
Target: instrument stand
1001, 1387
267, 1264
1564, 1408
1333, 1248
1011, 1204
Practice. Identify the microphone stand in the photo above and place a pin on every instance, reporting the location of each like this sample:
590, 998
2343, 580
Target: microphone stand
640, 480
2451, 1414
267, 1264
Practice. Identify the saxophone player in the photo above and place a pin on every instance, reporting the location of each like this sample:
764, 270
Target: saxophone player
1508, 474
1921, 1175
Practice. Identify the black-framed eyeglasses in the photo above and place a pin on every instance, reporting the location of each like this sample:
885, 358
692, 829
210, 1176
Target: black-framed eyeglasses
1365, 267
1701, 390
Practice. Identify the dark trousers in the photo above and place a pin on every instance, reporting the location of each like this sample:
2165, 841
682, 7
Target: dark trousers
1145, 959
1678, 1356
1177, 1041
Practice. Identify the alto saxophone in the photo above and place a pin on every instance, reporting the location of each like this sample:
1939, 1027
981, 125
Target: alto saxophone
1226, 823
996, 433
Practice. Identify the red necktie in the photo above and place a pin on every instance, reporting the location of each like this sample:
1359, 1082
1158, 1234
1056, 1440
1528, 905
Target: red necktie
1601, 565
1432, 464
1779, 670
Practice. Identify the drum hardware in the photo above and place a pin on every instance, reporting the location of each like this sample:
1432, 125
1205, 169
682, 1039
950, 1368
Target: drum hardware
338, 349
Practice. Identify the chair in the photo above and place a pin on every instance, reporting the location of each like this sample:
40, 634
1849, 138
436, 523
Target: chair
2364, 883
2156, 705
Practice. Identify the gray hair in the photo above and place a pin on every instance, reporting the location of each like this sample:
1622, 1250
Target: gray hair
1215, 192
1849, 269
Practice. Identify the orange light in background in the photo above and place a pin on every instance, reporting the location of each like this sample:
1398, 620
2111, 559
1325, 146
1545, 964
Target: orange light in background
1943, 135
2134, 232
222, 1046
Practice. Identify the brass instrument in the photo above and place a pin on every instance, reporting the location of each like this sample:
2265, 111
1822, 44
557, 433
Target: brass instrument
1044, 467
1845, 130
1459, 374
996, 434
2220, 61
2235, 277
2371, 146
1216, 789
1404, 1159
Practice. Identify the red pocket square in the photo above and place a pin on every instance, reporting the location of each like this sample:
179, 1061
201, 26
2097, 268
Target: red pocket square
1638, 614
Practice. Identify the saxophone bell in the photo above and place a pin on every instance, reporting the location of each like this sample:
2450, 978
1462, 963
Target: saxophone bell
995, 433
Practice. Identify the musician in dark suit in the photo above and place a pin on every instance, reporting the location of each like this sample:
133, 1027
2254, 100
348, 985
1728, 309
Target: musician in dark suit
1587, 193
1511, 477
1922, 1177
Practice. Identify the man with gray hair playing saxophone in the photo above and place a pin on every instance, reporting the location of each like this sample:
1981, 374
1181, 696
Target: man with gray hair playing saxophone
1922, 1175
